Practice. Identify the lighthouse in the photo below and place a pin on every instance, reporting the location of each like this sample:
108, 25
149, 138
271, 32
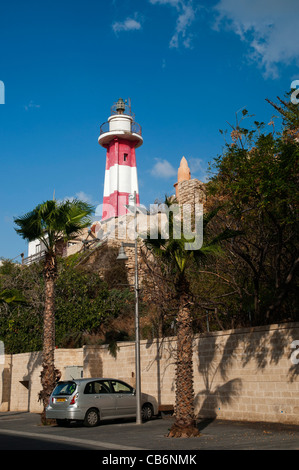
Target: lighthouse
120, 136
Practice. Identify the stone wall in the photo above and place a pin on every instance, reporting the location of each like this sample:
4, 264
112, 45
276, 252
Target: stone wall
191, 192
246, 374
5, 379
20, 378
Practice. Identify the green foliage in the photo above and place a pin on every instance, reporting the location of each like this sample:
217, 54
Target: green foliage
21, 319
112, 337
85, 303
263, 177
85, 306
178, 268
257, 180
289, 112
176, 253
12, 296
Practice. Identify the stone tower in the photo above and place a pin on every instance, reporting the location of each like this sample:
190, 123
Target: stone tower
189, 190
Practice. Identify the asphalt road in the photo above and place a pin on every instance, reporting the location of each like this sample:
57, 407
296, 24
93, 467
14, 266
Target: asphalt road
23, 431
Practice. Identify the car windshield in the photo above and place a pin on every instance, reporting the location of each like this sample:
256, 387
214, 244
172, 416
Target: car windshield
65, 388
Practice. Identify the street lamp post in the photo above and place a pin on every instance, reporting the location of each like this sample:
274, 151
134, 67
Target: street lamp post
122, 256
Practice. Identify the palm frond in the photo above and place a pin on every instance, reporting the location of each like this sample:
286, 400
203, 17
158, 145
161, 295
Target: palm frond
180, 251
78, 216
226, 234
52, 220
29, 225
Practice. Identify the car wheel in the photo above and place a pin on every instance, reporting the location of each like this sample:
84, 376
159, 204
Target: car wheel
92, 418
147, 412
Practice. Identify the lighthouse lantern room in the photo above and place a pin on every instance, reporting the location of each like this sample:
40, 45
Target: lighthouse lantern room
121, 135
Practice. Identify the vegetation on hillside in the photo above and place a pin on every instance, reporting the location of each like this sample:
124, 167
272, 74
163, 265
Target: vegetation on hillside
86, 307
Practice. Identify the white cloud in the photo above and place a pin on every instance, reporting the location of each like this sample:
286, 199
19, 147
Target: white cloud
129, 24
31, 105
270, 27
82, 196
195, 165
163, 169
186, 16
174, 3
184, 21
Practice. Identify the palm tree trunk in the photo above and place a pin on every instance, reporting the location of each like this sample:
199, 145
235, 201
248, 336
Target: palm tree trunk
185, 424
48, 374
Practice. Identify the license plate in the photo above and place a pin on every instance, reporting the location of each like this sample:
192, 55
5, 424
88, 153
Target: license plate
59, 400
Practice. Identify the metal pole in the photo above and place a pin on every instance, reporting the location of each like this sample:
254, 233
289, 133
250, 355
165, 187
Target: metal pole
137, 332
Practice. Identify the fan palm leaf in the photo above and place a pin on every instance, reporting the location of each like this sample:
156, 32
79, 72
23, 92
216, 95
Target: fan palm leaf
50, 222
177, 254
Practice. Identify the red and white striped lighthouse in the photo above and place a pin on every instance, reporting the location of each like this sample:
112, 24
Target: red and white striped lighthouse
120, 136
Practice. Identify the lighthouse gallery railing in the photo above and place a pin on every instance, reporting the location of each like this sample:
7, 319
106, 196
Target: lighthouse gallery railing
135, 128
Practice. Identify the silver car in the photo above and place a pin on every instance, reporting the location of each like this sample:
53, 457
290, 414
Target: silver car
94, 400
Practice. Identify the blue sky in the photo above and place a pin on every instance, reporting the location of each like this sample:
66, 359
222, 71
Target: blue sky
187, 65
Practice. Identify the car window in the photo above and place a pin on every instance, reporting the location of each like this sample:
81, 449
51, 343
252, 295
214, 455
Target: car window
65, 388
121, 387
97, 387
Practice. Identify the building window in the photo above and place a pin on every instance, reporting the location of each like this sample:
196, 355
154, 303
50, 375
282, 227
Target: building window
125, 157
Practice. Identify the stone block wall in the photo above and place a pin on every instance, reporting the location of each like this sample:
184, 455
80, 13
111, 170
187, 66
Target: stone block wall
20, 378
25, 381
5, 379
246, 374
191, 192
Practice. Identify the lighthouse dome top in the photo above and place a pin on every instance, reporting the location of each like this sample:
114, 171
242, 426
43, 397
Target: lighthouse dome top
121, 123
121, 107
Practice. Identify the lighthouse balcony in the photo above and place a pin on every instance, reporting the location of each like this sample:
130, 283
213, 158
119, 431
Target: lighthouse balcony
123, 128
134, 128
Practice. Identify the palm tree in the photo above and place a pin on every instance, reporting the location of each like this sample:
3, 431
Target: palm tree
174, 259
51, 222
